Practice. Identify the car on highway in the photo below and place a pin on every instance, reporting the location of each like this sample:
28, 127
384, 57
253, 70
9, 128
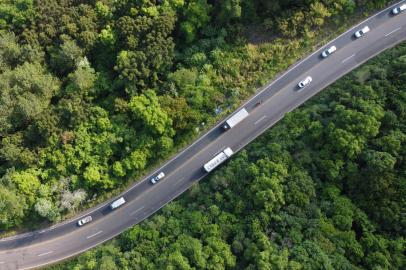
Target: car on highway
157, 178
305, 82
84, 220
117, 203
329, 51
362, 31
399, 9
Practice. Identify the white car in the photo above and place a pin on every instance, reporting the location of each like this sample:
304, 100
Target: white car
362, 32
329, 51
84, 220
398, 9
305, 82
157, 178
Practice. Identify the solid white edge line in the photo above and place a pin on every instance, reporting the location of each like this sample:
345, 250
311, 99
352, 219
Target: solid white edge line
76, 253
46, 253
266, 88
179, 193
105, 240
220, 122
393, 31
90, 236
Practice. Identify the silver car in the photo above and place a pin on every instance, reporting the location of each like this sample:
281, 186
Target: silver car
399, 9
362, 32
85, 220
157, 178
329, 51
305, 82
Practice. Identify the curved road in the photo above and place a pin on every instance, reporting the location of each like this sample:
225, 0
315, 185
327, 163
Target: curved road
39, 248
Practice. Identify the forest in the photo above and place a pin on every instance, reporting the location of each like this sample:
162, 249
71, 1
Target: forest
324, 189
95, 93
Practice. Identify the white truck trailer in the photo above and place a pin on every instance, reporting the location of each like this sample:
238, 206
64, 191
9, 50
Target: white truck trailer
235, 119
218, 159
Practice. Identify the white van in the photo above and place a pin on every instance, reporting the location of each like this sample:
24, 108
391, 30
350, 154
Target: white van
117, 203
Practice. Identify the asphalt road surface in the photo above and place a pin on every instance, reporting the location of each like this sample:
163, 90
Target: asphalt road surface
39, 248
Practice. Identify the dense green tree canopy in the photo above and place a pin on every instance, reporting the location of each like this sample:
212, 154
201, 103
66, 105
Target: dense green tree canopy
93, 94
324, 189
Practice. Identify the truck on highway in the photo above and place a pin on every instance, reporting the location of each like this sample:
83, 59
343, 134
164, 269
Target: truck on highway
117, 203
235, 119
218, 159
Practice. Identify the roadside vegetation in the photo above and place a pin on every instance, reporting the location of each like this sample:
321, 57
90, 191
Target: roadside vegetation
94, 93
324, 189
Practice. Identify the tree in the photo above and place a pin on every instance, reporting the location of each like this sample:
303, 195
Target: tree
47, 209
68, 56
26, 93
10, 51
94, 177
14, 16
12, 208
147, 48
219, 255
15, 153
196, 16
71, 200
54, 20
318, 12
136, 161
228, 10
27, 183
146, 108
82, 81
184, 117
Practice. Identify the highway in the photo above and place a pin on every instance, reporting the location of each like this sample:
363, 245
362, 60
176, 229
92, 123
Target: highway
43, 247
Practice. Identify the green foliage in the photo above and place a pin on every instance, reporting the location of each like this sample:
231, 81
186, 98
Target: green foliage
15, 13
324, 189
146, 48
27, 184
67, 57
146, 108
11, 208
228, 11
26, 92
45, 208
93, 93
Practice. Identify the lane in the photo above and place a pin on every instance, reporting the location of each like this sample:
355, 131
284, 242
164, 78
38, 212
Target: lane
279, 97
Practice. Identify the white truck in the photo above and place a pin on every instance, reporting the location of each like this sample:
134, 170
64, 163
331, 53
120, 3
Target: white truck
218, 159
235, 119
117, 203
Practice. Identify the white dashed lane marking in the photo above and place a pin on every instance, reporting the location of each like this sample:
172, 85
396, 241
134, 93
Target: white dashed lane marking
348, 58
260, 119
136, 211
46, 253
180, 180
90, 236
393, 31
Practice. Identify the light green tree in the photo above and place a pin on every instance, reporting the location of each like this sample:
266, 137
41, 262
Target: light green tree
146, 109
